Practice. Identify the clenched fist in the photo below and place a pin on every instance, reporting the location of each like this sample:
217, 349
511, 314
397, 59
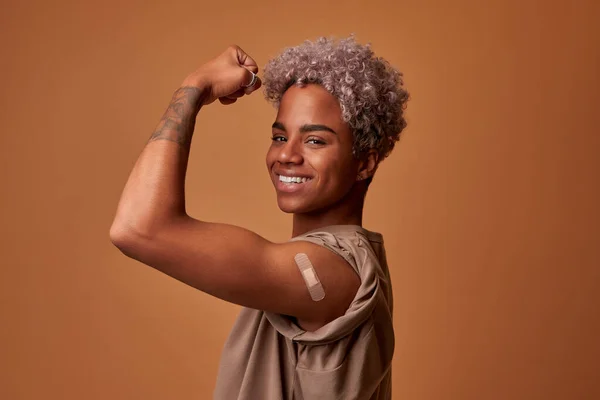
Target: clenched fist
225, 77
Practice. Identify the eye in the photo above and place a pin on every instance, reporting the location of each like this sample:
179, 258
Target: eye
315, 141
278, 138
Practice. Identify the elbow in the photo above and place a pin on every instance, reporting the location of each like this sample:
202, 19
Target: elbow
126, 230
117, 234
120, 236
133, 241
136, 238
129, 242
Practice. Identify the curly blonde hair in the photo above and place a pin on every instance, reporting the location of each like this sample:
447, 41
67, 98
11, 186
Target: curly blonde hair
370, 91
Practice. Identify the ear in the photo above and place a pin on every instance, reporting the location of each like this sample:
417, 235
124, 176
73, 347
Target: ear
367, 165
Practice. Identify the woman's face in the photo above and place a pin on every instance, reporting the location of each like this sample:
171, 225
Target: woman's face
310, 160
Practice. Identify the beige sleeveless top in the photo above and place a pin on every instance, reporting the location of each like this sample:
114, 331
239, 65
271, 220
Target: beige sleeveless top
269, 357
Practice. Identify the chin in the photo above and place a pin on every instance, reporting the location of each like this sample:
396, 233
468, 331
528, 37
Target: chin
293, 207
289, 208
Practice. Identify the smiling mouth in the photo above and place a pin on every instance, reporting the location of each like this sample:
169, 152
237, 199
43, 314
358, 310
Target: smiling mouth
293, 179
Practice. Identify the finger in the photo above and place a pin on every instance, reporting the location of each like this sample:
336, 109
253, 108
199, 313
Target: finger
249, 79
254, 87
227, 100
238, 93
246, 61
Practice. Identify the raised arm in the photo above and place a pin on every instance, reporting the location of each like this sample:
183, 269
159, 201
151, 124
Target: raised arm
154, 193
151, 224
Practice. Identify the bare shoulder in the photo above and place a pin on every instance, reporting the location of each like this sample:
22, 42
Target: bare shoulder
337, 278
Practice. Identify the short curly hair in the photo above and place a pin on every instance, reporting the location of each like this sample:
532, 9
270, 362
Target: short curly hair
370, 91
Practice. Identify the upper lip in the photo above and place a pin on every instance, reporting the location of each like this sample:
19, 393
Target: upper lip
292, 174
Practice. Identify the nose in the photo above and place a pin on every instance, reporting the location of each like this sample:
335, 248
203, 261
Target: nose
290, 152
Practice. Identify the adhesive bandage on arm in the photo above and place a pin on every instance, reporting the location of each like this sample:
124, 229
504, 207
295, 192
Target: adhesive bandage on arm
310, 277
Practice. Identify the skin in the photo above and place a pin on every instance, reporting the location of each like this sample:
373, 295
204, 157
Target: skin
152, 226
310, 139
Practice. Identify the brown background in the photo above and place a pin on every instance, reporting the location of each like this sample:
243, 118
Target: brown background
489, 205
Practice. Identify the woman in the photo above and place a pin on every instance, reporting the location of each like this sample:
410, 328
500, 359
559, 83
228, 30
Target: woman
317, 316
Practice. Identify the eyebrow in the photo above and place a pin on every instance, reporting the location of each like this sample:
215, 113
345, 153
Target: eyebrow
306, 128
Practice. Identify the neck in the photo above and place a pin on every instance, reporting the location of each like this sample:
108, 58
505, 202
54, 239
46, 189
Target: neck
347, 211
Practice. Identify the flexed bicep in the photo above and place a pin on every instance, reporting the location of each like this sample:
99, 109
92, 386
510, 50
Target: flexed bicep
240, 266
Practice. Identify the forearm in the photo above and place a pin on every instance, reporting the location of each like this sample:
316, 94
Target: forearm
154, 193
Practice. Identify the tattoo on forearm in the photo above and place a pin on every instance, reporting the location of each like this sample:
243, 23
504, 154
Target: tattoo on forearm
177, 123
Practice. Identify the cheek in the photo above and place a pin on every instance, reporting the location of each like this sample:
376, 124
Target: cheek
337, 175
269, 157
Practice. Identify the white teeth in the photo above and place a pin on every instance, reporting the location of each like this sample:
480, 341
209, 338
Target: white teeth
294, 179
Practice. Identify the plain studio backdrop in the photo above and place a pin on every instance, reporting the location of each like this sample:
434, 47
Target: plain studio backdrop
488, 204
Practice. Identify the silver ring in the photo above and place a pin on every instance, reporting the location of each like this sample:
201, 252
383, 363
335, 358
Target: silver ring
252, 82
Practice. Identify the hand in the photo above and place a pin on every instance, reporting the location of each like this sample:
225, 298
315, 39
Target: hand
223, 78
